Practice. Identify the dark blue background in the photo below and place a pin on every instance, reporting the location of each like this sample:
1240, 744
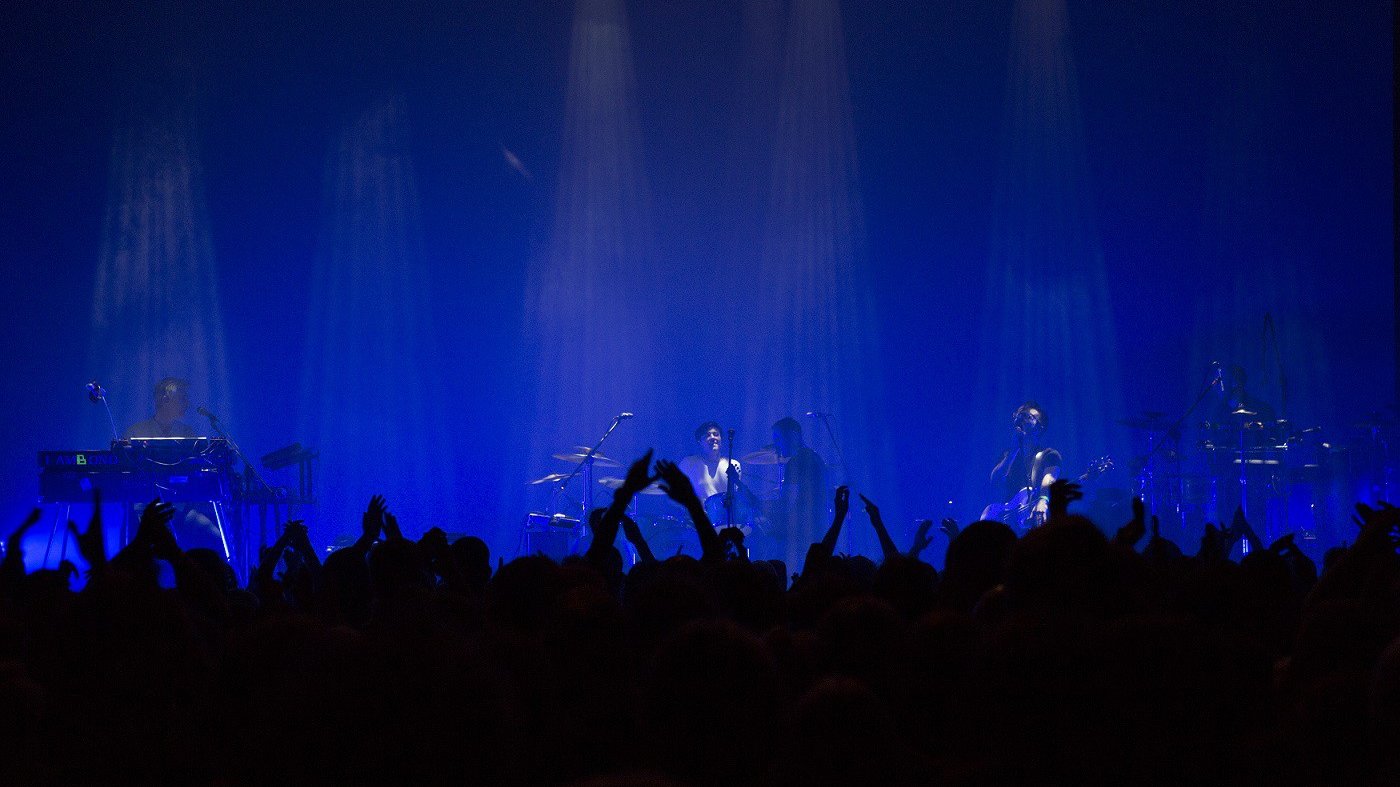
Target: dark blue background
1307, 89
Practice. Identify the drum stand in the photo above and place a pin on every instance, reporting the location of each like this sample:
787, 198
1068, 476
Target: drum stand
1173, 434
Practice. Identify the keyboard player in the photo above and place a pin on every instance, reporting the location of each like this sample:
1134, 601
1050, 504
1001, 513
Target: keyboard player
193, 523
172, 402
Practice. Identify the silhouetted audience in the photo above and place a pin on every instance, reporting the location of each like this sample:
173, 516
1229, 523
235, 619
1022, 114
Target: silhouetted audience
1067, 656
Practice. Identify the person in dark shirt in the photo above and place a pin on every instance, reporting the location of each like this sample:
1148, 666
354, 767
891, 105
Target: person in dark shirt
1028, 467
801, 506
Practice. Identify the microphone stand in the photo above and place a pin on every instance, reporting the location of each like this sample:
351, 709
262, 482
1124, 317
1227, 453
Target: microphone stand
248, 466
840, 459
110, 420
238, 452
729, 486
587, 467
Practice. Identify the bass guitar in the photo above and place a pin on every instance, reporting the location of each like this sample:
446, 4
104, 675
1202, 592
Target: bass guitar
1019, 512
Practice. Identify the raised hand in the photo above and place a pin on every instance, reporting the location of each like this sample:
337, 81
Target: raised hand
1062, 493
603, 529
90, 543
637, 477
267, 560
1378, 525
677, 486
870, 507
372, 521
1136, 528
733, 540
1240, 528
300, 541
949, 527
842, 504
12, 568
881, 532
675, 483
154, 529
29, 521
1282, 545
392, 532
923, 536
1215, 543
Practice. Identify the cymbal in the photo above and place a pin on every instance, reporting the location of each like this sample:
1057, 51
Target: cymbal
579, 454
549, 479
763, 456
1243, 412
614, 483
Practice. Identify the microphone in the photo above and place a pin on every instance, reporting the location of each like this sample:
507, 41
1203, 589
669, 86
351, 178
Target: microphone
624, 416
206, 414
95, 392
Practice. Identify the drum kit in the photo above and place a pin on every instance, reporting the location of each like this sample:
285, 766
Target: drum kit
665, 525
1283, 477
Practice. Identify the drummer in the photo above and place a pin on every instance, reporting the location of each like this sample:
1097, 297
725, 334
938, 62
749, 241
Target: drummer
708, 470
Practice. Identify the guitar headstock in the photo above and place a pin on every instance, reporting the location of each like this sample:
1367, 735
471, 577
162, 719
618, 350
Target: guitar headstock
1098, 467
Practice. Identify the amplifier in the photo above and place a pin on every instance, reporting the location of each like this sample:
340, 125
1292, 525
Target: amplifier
554, 536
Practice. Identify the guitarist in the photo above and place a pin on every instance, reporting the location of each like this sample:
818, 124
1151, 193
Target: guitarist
1029, 466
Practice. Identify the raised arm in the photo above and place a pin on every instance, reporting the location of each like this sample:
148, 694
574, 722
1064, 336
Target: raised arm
887, 546
1239, 526
1061, 494
371, 522
840, 506
678, 487
637, 479
634, 537
923, 536
12, 568
300, 542
1128, 535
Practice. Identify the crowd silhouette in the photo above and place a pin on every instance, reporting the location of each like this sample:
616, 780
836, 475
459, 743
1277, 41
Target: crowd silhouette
1064, 656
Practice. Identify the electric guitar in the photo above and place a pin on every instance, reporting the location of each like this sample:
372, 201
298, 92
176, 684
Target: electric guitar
1019, 512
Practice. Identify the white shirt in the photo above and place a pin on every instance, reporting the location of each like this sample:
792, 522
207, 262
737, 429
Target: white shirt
706, 482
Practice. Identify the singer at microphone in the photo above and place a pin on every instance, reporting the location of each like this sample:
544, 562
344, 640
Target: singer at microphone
171, 403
